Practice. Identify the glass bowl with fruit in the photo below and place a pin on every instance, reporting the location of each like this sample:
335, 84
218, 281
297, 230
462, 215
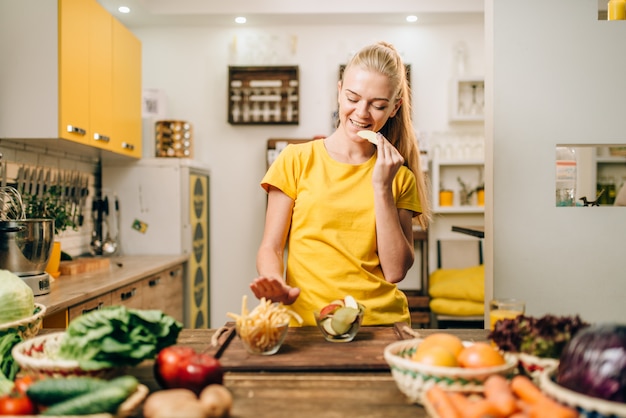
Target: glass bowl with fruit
340, 320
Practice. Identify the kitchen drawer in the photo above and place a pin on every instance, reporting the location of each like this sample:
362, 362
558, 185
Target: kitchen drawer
88, 306
164, 291
130, 296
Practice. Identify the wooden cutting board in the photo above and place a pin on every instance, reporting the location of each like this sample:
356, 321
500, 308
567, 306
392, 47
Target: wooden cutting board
84, 265
305, 349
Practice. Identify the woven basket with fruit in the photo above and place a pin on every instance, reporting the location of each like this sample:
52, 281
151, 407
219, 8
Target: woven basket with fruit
444, 360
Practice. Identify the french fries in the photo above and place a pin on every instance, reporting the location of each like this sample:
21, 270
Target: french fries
263, 327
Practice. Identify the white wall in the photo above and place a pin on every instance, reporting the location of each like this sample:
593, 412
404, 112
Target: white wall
556, 76
191, 66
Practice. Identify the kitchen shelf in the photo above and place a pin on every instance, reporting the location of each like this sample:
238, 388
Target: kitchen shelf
263, 95
445, 173
468, 99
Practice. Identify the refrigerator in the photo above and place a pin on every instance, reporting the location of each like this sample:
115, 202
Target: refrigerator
164, 209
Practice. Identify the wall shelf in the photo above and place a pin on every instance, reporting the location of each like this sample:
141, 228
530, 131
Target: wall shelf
445, 174
263, 95
468, 99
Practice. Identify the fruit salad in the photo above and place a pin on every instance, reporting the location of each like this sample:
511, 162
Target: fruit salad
340, 320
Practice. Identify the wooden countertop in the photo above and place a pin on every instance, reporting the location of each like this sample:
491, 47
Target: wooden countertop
67, 291
311, 393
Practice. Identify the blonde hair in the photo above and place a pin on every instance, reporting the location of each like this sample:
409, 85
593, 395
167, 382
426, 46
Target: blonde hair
383, 58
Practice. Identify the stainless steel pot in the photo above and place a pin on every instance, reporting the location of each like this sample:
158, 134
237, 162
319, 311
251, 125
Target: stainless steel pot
25, 245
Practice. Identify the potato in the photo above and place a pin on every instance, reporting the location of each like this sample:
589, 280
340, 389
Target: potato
173, 403
217, 401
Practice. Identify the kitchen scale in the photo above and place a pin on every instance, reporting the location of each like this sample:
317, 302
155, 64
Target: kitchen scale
39, 282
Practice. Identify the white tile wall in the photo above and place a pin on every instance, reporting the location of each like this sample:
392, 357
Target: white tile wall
15, 154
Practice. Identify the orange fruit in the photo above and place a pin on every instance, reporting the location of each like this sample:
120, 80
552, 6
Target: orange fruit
440, 339
480, 355
435, 356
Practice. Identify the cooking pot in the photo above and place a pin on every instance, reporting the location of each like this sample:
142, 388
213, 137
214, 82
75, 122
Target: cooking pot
25, 245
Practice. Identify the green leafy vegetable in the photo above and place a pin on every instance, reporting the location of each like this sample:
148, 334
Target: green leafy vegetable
118, 336
8, 366
16, 298
543, 337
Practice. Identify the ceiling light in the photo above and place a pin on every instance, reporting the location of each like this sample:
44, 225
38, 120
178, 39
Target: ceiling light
124, 9
411, 18
240, 19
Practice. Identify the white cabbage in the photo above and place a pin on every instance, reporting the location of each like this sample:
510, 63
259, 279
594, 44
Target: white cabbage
16, 298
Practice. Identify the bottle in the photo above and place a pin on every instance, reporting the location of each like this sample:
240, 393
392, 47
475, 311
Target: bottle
565, 176
616, 10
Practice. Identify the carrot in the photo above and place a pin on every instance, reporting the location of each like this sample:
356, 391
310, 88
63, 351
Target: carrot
519, 415
482, 408
546, 407
441, 403
525, 389
540, 405
498, 392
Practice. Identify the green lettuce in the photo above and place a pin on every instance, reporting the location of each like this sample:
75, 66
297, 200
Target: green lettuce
117, 336
16, 298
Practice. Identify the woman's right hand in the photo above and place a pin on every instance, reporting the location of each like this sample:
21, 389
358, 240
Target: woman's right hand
274, 289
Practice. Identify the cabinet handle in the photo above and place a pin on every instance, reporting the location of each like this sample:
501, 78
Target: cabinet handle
175, 273
128, 295
128, 146
97, 308
76, 130
154, 282
102, 138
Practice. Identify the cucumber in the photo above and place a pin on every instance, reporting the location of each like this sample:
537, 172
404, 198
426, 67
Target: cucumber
54, 390
105, 399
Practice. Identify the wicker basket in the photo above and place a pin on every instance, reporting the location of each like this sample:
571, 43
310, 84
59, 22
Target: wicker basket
26, 327
36, 356
413, 379
586, 405
533, 366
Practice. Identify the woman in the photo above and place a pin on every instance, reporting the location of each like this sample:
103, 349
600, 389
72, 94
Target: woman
343, 206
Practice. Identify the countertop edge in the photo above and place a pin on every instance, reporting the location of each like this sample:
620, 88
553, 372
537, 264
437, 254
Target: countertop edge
67, 291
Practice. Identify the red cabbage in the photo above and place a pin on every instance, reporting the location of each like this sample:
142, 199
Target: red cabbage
594, 362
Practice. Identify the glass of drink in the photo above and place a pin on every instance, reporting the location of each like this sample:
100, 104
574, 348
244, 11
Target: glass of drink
505, 309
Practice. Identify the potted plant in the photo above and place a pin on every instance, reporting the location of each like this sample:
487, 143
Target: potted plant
50, 205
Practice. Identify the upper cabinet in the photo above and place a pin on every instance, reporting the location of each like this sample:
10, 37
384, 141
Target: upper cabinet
75, 74
126, 91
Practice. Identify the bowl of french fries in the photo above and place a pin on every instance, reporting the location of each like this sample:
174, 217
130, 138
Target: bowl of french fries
263, 329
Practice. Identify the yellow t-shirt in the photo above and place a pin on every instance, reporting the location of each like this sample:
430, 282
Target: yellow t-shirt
332, 249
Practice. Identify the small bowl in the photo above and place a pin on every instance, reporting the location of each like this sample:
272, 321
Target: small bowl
261, 341
26, 327
331, 335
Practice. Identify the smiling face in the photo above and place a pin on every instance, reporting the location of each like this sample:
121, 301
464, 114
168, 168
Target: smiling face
366, 101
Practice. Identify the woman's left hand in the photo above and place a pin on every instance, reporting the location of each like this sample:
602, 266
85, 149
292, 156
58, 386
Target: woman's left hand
388, 162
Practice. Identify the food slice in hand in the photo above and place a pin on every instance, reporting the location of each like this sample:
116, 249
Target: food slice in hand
369, 135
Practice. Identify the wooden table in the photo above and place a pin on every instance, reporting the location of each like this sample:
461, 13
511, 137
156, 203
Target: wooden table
310, 377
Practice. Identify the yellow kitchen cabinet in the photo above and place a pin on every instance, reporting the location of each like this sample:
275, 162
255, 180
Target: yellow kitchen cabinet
126, 91
59, 82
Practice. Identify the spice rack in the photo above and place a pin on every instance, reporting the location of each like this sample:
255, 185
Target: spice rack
263, 95
174, 138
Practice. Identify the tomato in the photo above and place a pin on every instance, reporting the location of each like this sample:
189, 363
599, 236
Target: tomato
16, 403
183, 367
